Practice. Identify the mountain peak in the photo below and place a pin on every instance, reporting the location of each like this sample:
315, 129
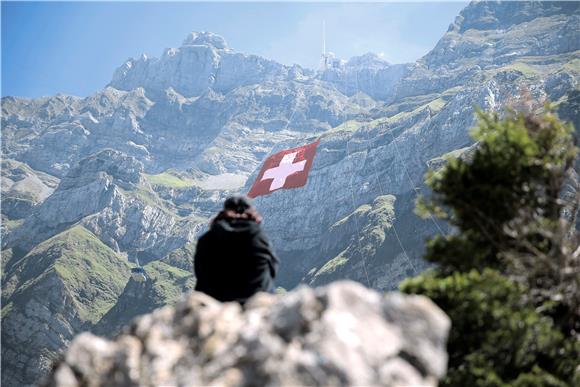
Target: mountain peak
370, 59
205, 39
502, 15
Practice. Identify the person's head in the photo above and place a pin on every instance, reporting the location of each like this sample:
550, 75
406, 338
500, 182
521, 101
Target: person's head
238, 207
238, 203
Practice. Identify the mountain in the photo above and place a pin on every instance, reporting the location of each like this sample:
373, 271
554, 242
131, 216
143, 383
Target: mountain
135, 171
61, 287
23, 189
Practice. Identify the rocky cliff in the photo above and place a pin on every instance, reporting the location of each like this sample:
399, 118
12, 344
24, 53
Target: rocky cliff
342, 334
136, 170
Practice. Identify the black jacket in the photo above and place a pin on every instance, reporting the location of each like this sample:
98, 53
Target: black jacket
234, 260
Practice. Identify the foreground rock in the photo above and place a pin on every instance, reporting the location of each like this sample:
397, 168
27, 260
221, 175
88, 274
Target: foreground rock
342, 334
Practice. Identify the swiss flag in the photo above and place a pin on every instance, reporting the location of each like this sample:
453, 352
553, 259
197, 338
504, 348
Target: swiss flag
286, 169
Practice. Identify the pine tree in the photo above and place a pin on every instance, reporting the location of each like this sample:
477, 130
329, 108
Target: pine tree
509, 274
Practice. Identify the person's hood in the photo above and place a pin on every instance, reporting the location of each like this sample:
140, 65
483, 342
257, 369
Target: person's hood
238, 226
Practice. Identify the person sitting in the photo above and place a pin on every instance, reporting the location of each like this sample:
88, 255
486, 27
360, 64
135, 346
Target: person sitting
234, 259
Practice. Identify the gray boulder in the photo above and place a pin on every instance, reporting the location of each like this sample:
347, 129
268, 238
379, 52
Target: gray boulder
341, 334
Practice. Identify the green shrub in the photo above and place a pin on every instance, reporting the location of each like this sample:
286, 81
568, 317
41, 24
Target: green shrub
496, 338
509, 277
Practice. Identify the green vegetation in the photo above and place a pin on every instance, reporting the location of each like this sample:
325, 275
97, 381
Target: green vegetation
360, 211
146, 195
382, 216
182, 257
538, 67
93, 274
454, 154
496, 339
573, 65
165, 285
6, 309
28, 197
436, 162
509, 277
169, 282
6, 256
410, 106
437, 104
376, 218
348, 126
529, 71
11, 224
170, 179
332, 265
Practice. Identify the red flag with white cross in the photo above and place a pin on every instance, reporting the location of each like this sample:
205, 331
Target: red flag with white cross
283, 170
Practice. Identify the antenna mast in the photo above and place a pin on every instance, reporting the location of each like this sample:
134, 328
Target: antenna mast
324, 37
324, 56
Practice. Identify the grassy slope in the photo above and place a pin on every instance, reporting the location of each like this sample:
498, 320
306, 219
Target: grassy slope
170, 179
169, 282
181, 258
93, 273
164, 286
376, 218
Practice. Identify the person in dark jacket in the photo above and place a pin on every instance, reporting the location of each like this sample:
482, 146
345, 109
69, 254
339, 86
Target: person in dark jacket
234, 259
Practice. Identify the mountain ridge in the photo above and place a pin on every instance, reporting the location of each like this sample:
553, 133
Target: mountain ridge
142, 170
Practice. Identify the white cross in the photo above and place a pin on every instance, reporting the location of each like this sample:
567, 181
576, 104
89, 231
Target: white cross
286, 168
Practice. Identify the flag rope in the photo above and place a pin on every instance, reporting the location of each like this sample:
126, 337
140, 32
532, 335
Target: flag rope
394, 142
363, 258
380, 186
356, 223
394, 226
411, 181
293, 111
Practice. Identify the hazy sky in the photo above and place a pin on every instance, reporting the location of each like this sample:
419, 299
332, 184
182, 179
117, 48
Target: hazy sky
74, 47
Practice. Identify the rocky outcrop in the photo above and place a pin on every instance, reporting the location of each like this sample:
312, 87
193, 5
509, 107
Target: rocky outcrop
203, 61
369, 74
164, 129
488, 35
342, 334
107, 194
357, 244
23, 188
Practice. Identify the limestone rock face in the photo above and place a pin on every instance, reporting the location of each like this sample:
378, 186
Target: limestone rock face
342, 334
203, 61
23, 188
47, 323
368, 74
488, 35
107, 194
